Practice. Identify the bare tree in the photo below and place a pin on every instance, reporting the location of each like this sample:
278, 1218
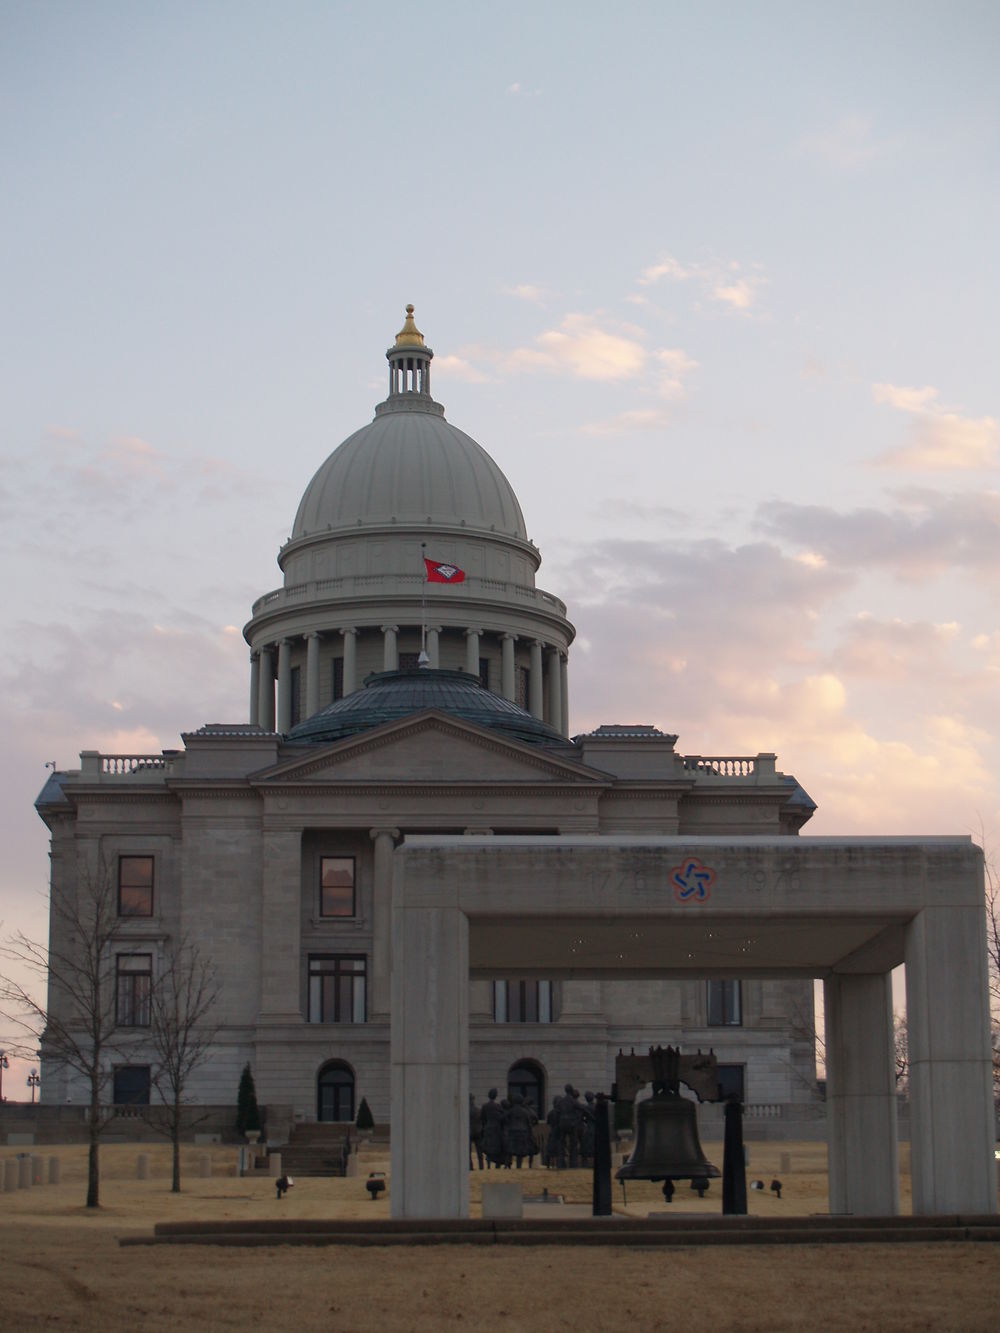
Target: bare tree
75, 1026
993, 957
181, 1032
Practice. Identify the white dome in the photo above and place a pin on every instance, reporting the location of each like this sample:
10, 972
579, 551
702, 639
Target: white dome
412, 467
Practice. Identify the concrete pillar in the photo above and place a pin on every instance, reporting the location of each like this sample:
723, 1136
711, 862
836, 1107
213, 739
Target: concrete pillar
555, 689
142, 1166
10, 1175
285, 686
265, 703
281, 891
274, 1164
254, 688
861, 1095
472, 651
54, 1170
390, 651
564, 690
24, 1173
37, 1170
434, 645
312, 674
350, 660
385, 841
205, 1165
430, 1056
950, 1062
507, 666
536, 698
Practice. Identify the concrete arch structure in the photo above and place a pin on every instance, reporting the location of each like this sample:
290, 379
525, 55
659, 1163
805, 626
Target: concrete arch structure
844, 909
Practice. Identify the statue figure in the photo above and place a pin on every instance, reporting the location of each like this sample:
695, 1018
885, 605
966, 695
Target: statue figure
588, 1123
568, 1127
475, 1131
551, 1156
521, 1123
492, 1117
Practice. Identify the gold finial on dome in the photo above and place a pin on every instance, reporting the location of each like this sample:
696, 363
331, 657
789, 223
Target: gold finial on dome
409, 335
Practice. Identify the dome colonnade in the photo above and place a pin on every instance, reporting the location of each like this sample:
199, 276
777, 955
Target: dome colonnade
354, 600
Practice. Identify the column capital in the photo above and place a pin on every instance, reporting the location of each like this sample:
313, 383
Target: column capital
348, 629
389, 629
311, 634
507, 635
376, 833
473, 631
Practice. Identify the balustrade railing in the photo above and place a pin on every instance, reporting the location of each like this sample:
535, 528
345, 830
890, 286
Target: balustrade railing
736, 766
116, 765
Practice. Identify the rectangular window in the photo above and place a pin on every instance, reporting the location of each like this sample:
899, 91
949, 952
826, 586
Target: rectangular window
522, 1001
135, 886
296, 693
484, 672
409, 661
725, 1008
732, 1080
521, 687
131, 1085
132, 995
337, 989
336, 886
338, 679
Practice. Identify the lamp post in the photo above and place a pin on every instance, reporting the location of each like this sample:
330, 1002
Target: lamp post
33, 1081
4, 1064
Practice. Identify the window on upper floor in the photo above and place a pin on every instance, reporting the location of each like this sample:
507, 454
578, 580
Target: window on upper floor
337, 988
296, 695
409, 661
133, 989
725, 1004
135, 886
336, 886
523, 1000
337, 676
521, 687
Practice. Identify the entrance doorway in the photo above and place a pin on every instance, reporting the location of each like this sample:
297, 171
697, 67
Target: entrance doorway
528, 1078
335, 1092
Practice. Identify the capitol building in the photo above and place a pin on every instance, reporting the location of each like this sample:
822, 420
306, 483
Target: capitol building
408, 676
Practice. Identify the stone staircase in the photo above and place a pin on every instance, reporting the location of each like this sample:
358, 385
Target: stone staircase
316, 1149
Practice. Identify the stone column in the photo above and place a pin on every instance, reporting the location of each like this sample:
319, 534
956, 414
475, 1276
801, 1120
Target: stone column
385, 841
285, 686
281, 893
434, 645
555, 689
564, 690
950, 1063
430, 1058
312, 674
265, 707
472, 651
507, 666
254, 688
350, 660
861, 1095
390, 652
536, 697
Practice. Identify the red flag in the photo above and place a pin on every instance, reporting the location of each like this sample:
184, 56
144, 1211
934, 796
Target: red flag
439, 571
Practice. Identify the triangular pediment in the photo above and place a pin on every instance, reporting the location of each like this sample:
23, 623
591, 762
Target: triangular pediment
430, 747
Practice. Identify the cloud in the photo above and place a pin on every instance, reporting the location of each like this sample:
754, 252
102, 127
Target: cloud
585, 349
632, 419
848, 144
676, 365
926, 533
940, 438
529, 291
726, 283
458, 368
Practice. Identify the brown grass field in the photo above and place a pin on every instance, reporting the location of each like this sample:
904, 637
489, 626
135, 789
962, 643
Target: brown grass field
62, 1266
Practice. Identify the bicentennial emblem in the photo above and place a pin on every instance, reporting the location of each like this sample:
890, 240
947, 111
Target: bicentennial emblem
692, 881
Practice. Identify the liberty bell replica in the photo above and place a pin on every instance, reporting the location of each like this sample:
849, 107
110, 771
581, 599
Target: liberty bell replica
666, 1141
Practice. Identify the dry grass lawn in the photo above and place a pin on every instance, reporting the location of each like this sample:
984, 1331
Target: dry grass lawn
63, 1267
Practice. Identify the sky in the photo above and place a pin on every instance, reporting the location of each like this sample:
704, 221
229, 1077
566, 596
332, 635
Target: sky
716, 285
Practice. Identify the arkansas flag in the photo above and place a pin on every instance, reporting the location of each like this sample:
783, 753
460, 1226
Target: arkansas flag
441, 572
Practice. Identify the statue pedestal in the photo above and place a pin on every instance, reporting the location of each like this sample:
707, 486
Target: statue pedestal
502, 1200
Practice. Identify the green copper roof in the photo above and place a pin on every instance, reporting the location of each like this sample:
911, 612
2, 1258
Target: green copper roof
390, 695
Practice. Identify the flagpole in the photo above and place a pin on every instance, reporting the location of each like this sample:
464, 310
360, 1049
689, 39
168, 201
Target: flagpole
423, 605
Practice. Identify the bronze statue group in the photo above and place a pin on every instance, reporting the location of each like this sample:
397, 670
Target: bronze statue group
505, 1133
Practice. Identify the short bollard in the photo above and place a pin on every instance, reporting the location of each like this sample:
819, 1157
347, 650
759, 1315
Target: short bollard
10, 1174
53, 1170
38, 1170
274, 1164
205, 1165
786, 1163
24, 1172
142, 1166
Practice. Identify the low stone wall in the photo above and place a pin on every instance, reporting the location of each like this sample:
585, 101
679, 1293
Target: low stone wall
24, 1124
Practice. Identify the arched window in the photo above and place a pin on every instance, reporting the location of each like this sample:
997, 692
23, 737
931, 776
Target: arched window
528, 1078
335, 1092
